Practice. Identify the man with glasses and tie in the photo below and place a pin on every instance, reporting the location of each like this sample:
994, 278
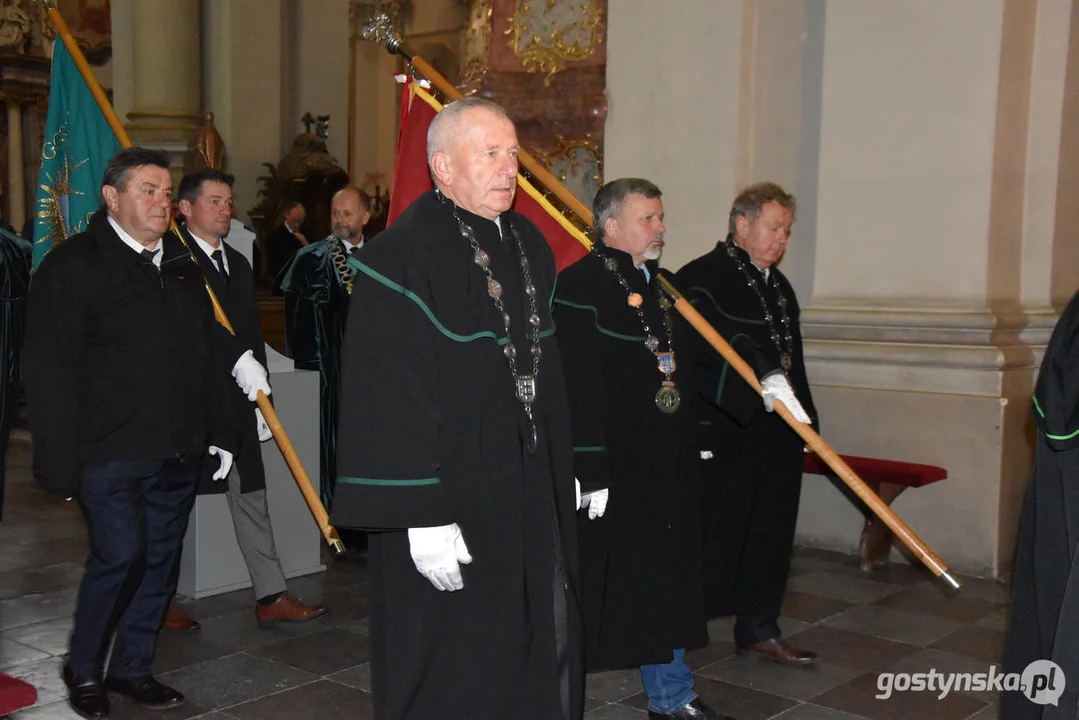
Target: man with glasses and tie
206, 206
125, 398
317, 284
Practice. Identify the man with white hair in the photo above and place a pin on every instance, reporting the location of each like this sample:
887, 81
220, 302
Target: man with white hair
458, 460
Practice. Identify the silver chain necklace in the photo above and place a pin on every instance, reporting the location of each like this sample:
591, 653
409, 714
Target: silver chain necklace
524, 385
777, 339
668, 398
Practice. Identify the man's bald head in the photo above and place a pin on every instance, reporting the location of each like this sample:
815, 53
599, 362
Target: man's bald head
349, 211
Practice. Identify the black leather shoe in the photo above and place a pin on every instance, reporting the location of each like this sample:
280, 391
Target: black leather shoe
146, 691
86, 695
696, 710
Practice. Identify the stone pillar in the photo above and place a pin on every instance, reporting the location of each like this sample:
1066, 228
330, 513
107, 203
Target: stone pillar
16, 200
166, 102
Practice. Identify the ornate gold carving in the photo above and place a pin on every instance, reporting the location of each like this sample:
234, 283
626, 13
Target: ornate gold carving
578, 164
545, 40
477, 46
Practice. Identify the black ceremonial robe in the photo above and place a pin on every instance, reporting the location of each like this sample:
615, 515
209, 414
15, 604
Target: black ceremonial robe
317, 284
640, 562
1044, 621
14, 282
753, 481
435, 437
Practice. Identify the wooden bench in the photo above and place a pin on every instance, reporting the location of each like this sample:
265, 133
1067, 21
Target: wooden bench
887, 478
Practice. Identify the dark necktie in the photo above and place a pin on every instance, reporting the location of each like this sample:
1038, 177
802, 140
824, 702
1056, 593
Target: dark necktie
354, 251
148, 255
219, 260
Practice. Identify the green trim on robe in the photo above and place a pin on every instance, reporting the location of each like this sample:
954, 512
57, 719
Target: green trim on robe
595, 311
397, 482
457, 337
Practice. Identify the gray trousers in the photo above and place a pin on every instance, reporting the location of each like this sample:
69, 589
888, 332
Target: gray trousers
254, 534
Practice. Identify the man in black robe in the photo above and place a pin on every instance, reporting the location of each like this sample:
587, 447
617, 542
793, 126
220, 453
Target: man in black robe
206, 205
627, 371
15, 259
1044, 622
317, 283
459, 458
752, 461
124, 397
285, 240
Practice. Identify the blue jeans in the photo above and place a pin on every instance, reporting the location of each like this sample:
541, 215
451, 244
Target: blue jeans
670, 685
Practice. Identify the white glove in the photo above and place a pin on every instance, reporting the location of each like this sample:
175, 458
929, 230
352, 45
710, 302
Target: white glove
438, 553
251, 376
596, 502
262, 427
226, 462
578, 484
778, 387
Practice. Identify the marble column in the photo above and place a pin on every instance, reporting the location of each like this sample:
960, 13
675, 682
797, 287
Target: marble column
166, 100
16, 200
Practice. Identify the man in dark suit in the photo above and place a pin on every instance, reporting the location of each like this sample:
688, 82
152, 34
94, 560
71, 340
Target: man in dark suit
206, 205
284, 240
124, 399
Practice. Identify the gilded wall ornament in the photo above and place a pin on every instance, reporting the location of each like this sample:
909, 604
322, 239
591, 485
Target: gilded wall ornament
578, 164
546, 34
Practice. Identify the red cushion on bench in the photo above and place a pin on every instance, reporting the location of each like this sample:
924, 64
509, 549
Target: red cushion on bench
15, 694
880, 471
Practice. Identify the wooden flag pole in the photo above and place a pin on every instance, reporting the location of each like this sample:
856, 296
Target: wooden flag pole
303, 480
815, 442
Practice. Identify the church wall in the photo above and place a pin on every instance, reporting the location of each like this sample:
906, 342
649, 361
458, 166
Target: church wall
322, 69
673, 90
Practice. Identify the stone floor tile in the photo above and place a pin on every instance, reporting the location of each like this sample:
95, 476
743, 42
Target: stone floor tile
15, 653
976, 642
320, 654
858, 697
234, 679
853, 590
613, 685
758, 673
933, 600
49, 636
893, 624
323, 699
358, 677
854, 650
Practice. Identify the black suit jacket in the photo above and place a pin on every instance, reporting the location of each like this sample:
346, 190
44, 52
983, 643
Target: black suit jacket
117, 359
238, 300
281, 245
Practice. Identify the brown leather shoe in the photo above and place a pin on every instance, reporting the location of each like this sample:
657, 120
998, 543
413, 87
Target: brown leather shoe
288, 610
778, 650
179, 621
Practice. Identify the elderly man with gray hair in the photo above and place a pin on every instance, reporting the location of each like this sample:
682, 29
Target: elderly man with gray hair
752, 461
458, 460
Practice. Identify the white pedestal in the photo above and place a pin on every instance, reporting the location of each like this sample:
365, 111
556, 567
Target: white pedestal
212, 563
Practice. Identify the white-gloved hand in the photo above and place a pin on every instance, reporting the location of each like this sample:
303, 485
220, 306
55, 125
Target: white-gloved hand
778, 387
438, 553
251, 376
596, 502
262, 427
578, 484
226, 462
